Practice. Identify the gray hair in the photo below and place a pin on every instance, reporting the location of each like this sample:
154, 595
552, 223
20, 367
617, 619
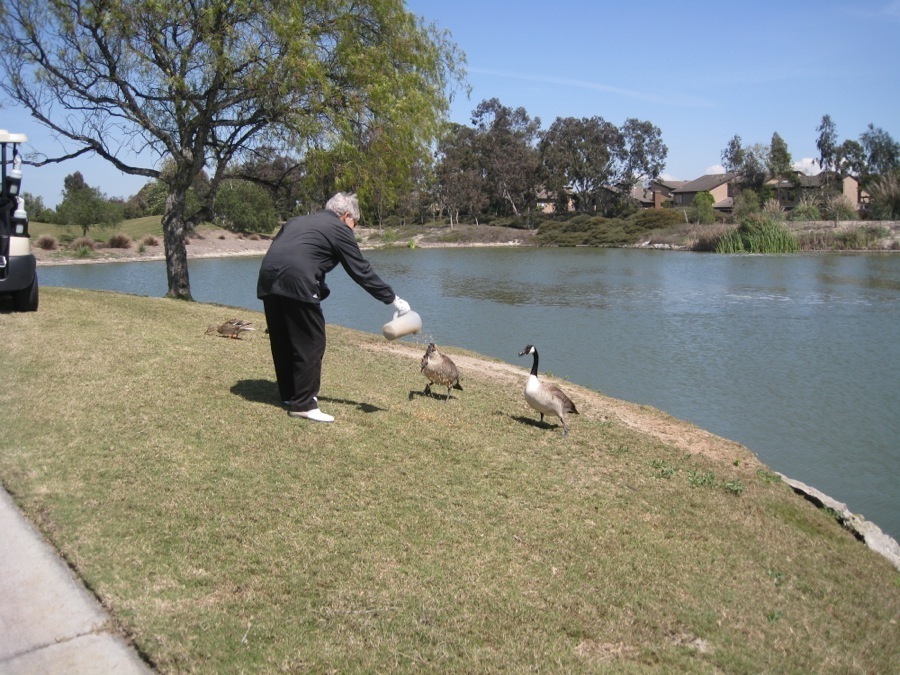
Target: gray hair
344, 202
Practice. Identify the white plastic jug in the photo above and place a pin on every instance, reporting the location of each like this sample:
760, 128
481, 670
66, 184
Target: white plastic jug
401, 325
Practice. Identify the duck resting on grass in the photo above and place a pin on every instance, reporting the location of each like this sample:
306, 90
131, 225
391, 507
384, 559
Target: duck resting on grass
546, 398
439, 369
231, 328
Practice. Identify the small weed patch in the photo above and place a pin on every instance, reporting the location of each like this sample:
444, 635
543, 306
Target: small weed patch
701, 478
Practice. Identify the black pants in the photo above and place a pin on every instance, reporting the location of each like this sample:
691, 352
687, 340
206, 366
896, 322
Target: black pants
297, 337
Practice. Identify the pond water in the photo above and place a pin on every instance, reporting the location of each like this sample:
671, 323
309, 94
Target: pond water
795, 357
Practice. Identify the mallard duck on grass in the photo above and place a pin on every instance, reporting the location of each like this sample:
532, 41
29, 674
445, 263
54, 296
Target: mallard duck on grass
230, 329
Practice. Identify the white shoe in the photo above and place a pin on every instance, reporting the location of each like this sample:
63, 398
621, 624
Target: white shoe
315, 415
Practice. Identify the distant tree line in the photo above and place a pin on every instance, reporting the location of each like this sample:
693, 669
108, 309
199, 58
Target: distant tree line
502, 166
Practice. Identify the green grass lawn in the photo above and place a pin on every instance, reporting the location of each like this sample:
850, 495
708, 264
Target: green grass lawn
411, 534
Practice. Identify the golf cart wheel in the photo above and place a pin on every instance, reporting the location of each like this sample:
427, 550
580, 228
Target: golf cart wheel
26, 300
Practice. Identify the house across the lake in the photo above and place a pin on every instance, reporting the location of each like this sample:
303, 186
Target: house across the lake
724, 187
719, 185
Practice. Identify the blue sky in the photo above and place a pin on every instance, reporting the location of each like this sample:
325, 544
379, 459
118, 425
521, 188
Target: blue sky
701, 71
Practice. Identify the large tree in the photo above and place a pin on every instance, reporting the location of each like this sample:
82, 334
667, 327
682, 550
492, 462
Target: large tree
507, 140
643, 154
459, 178
779, 162
203, 83
827, 143
733, 155
85, 207
750, 162
578, 154
882, 152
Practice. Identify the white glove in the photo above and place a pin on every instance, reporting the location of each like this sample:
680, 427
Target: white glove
401, 305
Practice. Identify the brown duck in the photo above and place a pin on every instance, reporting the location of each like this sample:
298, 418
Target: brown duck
230, 329
439, 369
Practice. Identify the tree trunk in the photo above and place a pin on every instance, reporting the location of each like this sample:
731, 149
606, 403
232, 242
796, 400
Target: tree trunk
511, 202
176, 251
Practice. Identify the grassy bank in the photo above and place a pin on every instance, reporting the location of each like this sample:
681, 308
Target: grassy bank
412, 534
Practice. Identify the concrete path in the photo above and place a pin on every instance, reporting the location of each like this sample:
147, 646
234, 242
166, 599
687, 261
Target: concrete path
49, 623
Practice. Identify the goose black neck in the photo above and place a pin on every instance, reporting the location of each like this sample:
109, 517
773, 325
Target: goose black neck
535, 363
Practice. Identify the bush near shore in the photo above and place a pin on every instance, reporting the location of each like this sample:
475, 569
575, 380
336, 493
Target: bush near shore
412, 534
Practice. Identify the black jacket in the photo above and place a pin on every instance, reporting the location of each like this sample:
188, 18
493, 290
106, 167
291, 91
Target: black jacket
305, 250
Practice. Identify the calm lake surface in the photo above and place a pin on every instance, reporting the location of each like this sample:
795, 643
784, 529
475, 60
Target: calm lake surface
795, 357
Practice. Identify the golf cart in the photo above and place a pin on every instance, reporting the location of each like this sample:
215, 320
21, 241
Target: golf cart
18, 276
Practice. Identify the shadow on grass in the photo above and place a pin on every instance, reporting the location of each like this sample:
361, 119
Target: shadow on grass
364, 407
532, 422
433, 394
266, 391
258, 391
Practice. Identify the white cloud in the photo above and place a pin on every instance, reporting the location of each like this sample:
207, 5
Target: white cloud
808, 166
715, 168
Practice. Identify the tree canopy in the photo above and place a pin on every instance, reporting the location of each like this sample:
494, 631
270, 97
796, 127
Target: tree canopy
578, 154
203, 84
84, 207
827, 143
506, 142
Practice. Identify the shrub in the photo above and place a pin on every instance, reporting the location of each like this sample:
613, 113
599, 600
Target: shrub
149, 240
119, 241
653, 219
885, 197
82, 243
758, 234
838, 207
772, 209
746, 205
860, 238
702, 208
586, 230
708, 238
242, 206
46, 243
83, 247
806, 209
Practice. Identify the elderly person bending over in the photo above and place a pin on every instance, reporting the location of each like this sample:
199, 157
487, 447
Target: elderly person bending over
292, 286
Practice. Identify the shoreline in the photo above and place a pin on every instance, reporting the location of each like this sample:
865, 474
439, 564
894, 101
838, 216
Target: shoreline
225, 244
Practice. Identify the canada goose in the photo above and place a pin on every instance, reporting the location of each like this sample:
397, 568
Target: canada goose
545, 397
439, 369
231, 328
